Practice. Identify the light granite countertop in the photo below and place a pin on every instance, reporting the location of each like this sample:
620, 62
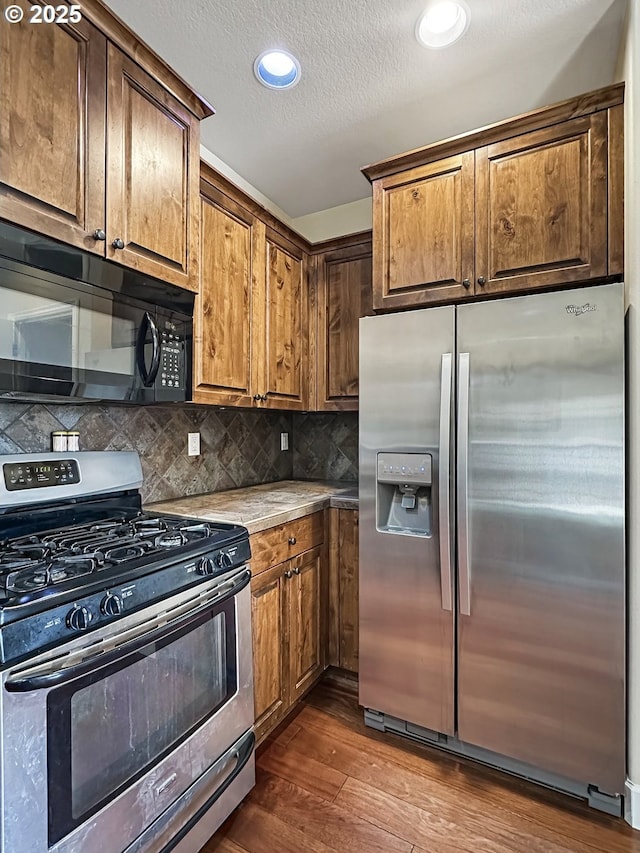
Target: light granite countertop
263, 506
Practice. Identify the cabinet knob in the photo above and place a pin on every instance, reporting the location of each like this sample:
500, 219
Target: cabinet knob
466, 283
296, 571
257, 398
264, 397
482, 280
292, 540
118, 243
288, 573
99, 234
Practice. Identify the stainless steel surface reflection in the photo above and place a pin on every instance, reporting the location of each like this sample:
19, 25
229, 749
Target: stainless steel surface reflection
532, 664
542, 654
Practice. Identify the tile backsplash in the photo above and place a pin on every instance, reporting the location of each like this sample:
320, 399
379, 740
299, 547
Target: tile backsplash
325, 446
239, 447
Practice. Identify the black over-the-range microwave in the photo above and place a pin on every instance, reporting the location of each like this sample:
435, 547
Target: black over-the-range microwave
76, 326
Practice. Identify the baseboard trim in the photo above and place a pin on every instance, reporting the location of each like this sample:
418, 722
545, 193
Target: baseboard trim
632, 804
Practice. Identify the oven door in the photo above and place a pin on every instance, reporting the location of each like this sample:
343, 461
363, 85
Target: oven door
106, 735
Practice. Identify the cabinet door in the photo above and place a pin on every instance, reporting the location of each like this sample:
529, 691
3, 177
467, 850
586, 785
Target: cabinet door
348, 600
270, 660
282, 351
344, 295
542, 207
423, 233
52, 126
152, 176
306, 657
343, 589
222, 333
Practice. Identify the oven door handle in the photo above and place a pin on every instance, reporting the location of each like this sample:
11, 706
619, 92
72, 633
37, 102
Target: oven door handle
236, 762
23, 682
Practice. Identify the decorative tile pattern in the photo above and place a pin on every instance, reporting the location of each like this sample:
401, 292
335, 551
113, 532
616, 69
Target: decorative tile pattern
238, 448
325, 446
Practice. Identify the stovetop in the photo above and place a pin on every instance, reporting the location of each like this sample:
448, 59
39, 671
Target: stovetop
74, 554
78, 552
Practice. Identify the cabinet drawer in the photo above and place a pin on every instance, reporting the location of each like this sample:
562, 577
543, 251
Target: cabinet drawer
279, 543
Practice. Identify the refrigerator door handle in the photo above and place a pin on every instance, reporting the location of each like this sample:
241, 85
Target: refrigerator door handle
463, 484
444, 472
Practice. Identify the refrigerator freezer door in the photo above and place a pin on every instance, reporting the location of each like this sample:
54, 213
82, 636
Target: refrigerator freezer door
406, 590
541, 664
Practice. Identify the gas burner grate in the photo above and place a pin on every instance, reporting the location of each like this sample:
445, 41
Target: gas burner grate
41, 575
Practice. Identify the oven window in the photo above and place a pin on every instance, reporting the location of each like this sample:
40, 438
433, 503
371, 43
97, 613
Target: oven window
107, 729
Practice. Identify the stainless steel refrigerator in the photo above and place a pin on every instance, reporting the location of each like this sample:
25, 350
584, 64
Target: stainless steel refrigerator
492, 544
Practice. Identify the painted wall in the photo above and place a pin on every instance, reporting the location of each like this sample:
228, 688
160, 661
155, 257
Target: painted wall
629, 68
315, 227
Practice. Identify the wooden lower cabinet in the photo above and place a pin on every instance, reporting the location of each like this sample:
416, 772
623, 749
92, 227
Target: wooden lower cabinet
270, 675
288, 616
343, 588
306, 654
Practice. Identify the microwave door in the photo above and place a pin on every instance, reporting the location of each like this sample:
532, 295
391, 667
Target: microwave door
110, 359
63, 338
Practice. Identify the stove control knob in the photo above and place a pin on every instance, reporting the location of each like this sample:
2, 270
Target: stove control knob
206, 566
223, 560
111, 605
78, 619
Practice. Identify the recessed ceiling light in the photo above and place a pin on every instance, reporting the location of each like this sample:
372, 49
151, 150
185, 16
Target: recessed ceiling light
442, 23
277, 69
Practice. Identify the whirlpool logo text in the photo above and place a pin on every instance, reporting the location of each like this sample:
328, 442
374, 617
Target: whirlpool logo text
577, 310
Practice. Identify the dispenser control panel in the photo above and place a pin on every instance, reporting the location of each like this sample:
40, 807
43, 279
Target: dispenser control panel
410, 468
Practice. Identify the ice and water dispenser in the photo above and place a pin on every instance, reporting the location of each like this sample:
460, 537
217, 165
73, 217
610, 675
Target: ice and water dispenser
404, 499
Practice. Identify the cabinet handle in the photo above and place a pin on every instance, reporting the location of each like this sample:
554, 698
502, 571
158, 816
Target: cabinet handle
292, 540
466, 283
118, 243
288, 573
482, 280
296, 571
257, 398
99, 234
264, 397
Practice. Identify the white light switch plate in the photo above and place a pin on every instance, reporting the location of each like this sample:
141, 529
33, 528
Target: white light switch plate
284, 441
193, 443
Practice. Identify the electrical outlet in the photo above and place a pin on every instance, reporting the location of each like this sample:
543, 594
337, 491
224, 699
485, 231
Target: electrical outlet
193, 443
284, 441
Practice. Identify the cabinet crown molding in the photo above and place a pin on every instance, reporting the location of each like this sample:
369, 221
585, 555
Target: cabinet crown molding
591, 102
118, 32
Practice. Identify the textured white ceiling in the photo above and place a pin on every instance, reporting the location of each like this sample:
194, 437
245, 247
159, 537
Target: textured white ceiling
368, 89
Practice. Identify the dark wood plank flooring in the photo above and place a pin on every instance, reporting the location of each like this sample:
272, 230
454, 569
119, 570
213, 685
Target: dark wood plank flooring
327, 783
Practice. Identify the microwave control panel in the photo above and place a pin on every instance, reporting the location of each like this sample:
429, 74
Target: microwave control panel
171, 360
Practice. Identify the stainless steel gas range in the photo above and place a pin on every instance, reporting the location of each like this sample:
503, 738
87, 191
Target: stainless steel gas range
126, 690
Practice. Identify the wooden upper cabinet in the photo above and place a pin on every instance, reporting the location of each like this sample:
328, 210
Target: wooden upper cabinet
284, 356
153, 176
534, 201
94, 150
423, 233
343, 283
541, 212
52, 129
251, 315
222, 315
